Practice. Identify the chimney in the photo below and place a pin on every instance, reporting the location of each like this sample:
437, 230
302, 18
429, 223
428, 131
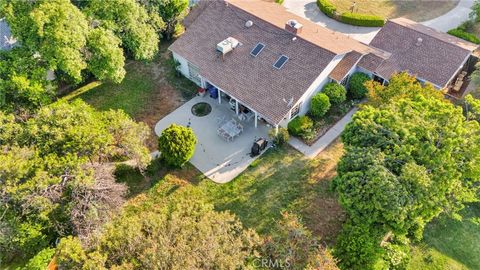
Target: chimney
293, 27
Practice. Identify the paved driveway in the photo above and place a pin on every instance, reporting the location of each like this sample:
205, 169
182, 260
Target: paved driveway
453, 18
309, 10
219, 160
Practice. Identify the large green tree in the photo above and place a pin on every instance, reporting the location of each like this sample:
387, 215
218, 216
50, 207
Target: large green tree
22, 82
56, 30
56, 176
171, 11
131, 22
405, 163
401, 85
174, 228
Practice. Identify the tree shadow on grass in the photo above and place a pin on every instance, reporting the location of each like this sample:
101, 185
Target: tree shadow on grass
459, 240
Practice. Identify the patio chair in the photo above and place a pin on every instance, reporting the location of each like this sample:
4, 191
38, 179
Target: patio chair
220, 119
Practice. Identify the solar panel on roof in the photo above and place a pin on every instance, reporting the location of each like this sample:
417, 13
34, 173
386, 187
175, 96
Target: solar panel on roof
280, 62
258, 48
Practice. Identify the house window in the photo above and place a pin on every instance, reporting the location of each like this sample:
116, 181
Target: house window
295, 110
194, 76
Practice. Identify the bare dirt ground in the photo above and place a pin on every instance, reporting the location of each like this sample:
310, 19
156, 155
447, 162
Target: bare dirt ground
324, 216
164, 99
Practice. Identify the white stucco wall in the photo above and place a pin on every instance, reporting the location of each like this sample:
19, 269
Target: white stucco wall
183, 64
315, 87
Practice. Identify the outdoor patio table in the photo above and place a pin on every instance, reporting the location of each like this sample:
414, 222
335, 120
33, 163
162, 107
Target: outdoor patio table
231, 129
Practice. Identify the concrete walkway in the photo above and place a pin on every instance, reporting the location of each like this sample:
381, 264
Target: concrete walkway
453, 18
325, 140
309, 10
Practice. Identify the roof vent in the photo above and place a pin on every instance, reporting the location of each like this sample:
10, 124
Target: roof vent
293, 27
419, 41
227, 45
249, 24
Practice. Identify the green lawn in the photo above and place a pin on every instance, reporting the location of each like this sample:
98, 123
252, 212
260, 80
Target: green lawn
144, 83
280, 180
149, 91
450, 243
134, 90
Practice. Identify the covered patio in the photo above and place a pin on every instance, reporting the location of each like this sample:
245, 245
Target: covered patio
220, 159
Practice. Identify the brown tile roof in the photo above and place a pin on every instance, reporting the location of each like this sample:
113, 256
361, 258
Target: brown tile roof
345, 65
370, 62
277, 15
252, 80
422, 51
436, 34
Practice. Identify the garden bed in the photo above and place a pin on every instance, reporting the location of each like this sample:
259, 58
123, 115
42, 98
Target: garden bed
323, 124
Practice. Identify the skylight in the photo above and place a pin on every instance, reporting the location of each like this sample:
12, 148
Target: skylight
256, 51
280, 62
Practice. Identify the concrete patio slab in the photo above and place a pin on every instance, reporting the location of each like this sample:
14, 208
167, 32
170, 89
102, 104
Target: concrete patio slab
219, 160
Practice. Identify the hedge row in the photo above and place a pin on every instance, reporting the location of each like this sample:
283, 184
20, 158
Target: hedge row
464, 35
362, 19
350, 18
327, 8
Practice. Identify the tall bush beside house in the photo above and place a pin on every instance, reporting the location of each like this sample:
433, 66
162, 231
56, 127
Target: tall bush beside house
279, 138
319, 105
300, 125
335, 92
177, 145
356, 86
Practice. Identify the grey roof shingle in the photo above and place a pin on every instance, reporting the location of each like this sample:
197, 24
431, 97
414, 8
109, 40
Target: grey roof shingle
252, 80
435, 58
345, 65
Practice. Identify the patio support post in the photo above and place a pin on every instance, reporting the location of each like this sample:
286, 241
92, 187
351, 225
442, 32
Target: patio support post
256, 116
276, 130
236, 106
219, 96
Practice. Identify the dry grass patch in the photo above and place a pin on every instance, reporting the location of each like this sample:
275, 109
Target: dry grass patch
417, 10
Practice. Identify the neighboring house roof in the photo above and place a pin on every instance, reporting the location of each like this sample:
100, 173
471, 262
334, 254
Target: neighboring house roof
345, 65
370, 62
252, 80
6, 40
420, 50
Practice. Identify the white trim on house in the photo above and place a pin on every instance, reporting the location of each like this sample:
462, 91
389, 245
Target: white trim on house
314, 88
457, 71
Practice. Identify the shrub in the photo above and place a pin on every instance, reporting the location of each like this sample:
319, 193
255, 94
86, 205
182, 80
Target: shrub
300, 125
358, 247
327, 8
458, 32
362, 19
41, 260
335, 92
356, 86
319, 105
177, 145
281, 137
